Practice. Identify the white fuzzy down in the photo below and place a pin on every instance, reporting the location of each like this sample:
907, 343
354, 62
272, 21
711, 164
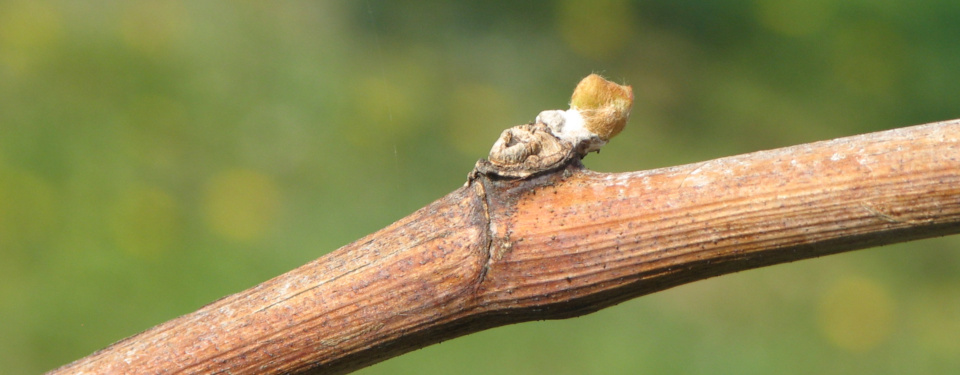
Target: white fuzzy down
570, 126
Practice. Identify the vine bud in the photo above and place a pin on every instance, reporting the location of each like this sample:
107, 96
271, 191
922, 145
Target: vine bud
604, 105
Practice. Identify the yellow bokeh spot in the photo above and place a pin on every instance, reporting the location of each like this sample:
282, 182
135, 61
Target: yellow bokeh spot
794, 17
29, 31
153, 27
595, 29
145, 222
240, 204
856, 314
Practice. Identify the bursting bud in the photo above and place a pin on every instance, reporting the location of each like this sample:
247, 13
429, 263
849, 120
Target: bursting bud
599, 110
604, 105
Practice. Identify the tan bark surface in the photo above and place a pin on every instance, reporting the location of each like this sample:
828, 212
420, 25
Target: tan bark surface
557, 245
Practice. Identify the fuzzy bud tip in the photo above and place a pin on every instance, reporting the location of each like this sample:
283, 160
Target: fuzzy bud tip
604, 105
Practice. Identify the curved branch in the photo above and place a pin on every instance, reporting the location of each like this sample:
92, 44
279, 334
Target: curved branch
557, 245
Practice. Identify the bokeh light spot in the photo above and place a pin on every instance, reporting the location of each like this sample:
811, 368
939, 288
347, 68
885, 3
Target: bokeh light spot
241, 204
145, 222
595, 29
856, 314
29, 30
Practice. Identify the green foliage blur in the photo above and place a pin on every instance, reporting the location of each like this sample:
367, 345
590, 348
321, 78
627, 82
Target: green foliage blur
155, 156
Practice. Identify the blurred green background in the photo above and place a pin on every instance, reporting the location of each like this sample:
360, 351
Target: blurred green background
155, 156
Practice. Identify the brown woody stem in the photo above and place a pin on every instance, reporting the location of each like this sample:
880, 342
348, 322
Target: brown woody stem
557, 245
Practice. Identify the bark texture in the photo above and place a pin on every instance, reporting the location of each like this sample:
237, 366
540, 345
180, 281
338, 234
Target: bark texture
557, 245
